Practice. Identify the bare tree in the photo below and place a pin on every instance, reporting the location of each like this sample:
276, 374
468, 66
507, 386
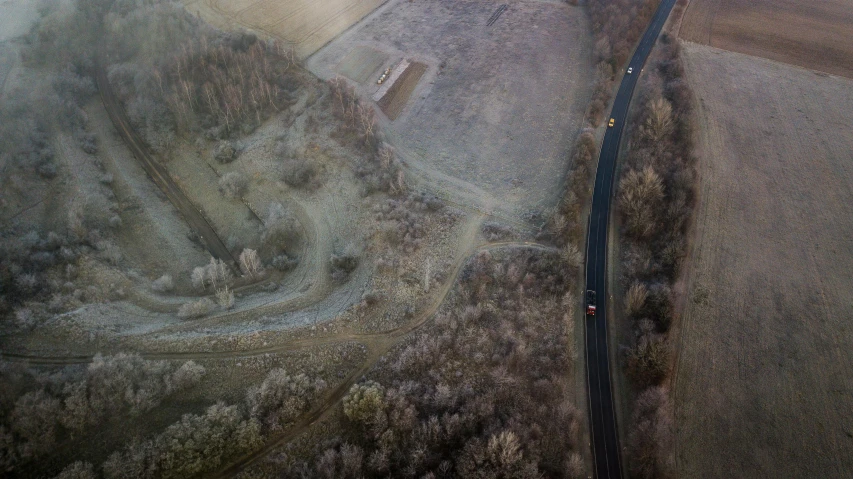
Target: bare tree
659, 122
225, 297
250, 263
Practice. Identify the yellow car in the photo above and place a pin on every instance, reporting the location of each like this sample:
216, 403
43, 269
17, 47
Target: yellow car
612, 122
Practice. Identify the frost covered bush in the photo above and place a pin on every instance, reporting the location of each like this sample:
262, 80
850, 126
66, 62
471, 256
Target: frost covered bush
233, 185
281, 398
215, 274
196, 309
281, 227
163, 284
343, 264
192, 446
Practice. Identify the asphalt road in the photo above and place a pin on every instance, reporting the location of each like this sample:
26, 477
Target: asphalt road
192, 215
606, 451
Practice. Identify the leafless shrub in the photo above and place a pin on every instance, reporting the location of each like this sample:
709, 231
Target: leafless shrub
281, 228
224, 152
196, 309
343, 263
495, 231
647, 363
250, 263
163, 284
640, 196
403, 221
300, 173
651, 435
635, 299
233, 184
78, 470
284, 262
659, 122
572, 256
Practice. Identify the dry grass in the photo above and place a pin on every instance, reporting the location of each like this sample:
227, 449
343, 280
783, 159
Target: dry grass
816, 35
306, 24
763, 383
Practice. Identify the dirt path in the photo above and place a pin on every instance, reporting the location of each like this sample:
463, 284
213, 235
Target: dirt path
377, 345
159, 174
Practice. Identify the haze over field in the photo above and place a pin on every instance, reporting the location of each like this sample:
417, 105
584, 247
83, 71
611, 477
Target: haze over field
434, 239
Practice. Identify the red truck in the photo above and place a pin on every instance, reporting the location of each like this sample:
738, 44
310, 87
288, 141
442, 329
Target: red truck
590, 302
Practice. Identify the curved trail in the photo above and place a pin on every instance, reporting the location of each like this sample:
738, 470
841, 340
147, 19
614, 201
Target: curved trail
302, 343
376, 344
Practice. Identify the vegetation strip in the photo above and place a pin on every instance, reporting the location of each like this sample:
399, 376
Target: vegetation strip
607, 451
656, 200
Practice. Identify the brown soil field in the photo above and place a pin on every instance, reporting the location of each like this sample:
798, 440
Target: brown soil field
816, 35
306, 25
395, 100
763, 386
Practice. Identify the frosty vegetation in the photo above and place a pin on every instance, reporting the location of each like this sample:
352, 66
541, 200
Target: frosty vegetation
59, 406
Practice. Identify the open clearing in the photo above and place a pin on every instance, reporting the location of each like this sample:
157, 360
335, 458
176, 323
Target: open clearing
763, 382
306, 25
817, 35
491, 121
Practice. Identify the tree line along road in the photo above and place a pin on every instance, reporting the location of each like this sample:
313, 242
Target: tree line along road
606, 452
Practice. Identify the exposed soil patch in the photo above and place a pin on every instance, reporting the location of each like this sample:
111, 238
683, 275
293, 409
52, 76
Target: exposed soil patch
816, 35
763, 385
395, 99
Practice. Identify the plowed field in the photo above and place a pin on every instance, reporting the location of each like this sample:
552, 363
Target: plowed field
816, 35
763, 384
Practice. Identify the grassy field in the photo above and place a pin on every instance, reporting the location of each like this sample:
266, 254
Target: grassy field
492, 119
306, 25
816, 35
763, 385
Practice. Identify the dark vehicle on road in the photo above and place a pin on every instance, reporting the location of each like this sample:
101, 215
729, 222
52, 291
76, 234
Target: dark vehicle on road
590, 302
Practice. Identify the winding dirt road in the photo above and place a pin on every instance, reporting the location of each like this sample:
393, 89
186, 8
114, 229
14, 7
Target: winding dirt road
377, 344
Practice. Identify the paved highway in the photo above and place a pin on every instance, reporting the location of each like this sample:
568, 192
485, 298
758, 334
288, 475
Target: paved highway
159, 175
605, 437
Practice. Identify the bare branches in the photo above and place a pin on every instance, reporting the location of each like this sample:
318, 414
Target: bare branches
228, 84
250, 263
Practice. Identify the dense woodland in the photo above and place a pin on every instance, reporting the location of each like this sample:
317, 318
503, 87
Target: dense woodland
481, 393
656, 200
